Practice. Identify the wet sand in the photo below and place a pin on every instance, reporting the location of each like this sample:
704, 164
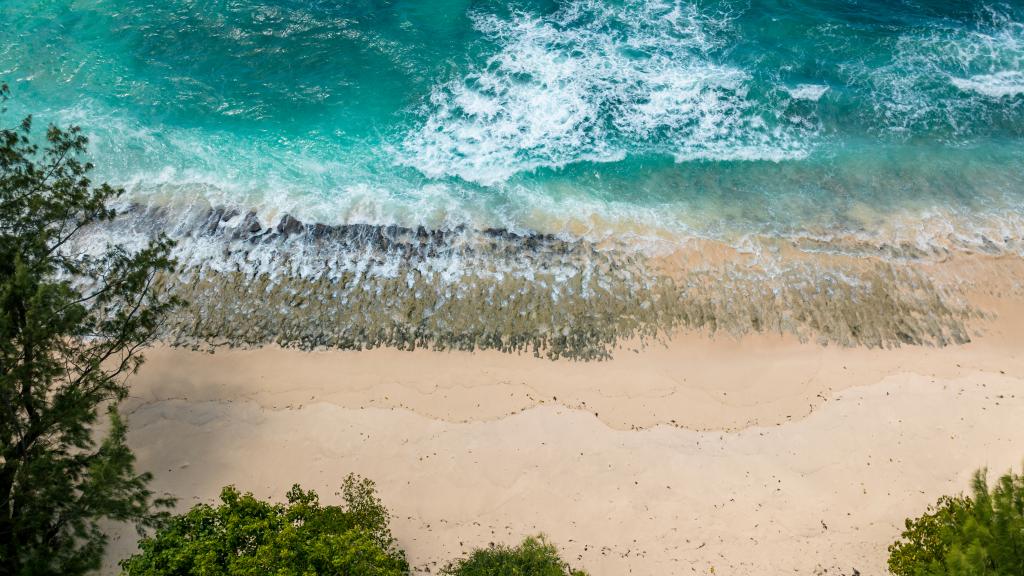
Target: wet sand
759, 455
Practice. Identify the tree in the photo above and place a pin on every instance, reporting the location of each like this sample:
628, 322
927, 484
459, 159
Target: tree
71, 329
981, 535
534, 557
245, 536
924, 543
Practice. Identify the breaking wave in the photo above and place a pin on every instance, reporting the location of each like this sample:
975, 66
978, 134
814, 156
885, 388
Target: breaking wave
596, 82
945, 80
998, 85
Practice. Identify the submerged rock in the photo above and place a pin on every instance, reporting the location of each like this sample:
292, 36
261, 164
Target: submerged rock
290, 226
363, 286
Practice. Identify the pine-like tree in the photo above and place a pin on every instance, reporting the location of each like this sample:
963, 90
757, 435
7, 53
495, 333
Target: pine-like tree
71, 329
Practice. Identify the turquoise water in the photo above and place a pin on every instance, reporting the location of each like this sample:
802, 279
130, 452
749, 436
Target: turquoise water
597, 118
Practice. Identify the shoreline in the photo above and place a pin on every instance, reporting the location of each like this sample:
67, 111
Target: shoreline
775, 408
358, 287
772, 439
693, 380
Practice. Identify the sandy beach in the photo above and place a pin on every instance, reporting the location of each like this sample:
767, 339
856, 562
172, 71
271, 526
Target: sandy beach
759, 455
715, 287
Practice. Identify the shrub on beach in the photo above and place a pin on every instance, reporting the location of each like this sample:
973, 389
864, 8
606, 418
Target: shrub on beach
981, 534
534, 557
244, 535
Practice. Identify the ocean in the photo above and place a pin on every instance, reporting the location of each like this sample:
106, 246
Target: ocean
526, 174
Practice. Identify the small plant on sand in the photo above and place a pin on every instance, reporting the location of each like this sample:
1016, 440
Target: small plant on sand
979, 535
534, 557
244, 535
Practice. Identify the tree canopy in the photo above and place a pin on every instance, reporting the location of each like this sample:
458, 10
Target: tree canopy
71, 329
245, 535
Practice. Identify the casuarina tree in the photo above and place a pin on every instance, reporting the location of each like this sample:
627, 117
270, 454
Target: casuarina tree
71, 330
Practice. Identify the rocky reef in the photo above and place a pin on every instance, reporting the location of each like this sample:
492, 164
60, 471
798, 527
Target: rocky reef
358, 286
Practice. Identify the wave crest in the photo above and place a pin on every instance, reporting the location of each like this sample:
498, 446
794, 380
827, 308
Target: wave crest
591, 83
998, 85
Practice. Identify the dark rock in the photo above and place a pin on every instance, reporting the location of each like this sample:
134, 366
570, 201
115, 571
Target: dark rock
289, 225
358, 233
378, 240
212, 222
251, 224
321, 230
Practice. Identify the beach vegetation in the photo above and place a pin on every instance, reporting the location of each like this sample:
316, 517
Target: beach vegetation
535, 556
975, 535
246, 535
71, 330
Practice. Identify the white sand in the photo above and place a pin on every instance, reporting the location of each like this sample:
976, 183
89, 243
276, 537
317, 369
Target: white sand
763, 456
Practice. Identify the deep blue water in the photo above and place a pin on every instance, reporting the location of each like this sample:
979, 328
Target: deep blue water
602, 118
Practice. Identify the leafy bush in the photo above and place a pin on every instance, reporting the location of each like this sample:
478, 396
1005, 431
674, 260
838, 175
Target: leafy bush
534, 557
247, 536
966, 536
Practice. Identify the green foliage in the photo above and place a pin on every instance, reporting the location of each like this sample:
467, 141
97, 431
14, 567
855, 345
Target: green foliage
71, 328
244, 535
982, 535
534, 557
923, 543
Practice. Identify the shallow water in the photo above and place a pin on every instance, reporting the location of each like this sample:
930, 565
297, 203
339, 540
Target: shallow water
889, 130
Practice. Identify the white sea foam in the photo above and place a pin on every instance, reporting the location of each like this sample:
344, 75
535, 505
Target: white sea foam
812, 92
233, 176
590, 83
983, 62
998, 85
196, 169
